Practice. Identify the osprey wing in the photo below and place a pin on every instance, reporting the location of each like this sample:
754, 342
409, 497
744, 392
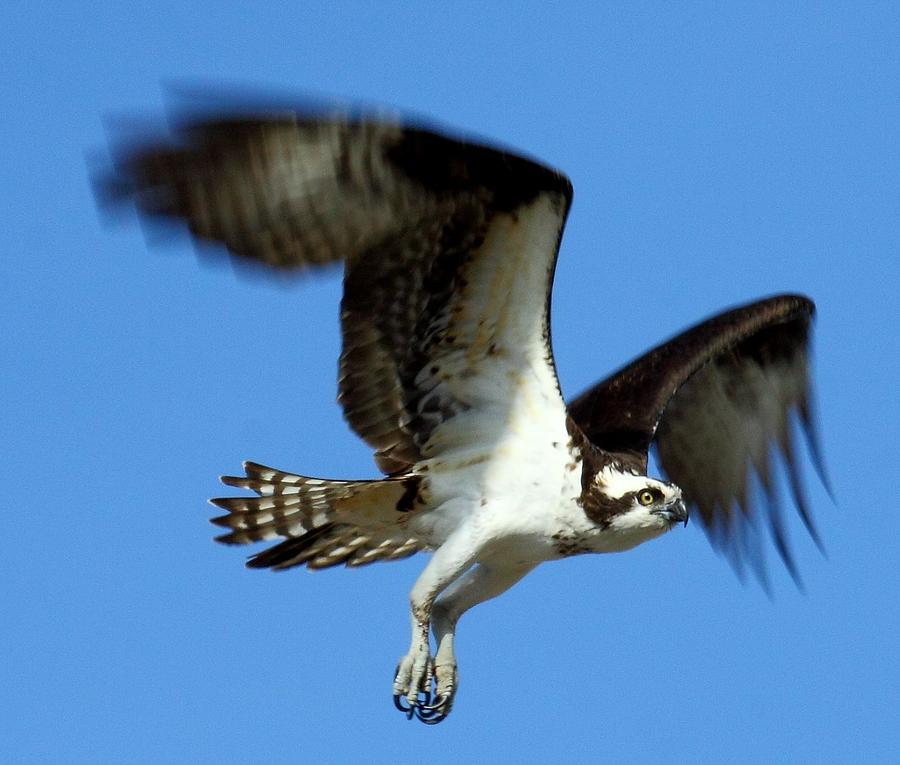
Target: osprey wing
449, 250
713, 400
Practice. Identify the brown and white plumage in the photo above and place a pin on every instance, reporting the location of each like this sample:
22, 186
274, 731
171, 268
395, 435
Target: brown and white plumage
408, 211
324, 523
447, 372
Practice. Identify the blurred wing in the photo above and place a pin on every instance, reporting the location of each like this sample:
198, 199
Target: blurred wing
449, 252
714, 399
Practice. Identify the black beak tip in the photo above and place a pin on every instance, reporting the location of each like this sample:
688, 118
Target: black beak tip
683, 512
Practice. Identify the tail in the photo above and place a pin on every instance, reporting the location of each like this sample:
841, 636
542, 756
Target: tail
324, 523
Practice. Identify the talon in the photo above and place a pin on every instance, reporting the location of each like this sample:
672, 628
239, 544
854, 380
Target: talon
437, 711
438, 703
414, 694
407, 710
430, 716
399, 699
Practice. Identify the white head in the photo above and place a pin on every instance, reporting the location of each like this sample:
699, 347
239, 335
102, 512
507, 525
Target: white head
631, 501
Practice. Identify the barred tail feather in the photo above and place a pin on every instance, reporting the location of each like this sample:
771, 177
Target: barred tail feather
324, 522
333, 544
288, 505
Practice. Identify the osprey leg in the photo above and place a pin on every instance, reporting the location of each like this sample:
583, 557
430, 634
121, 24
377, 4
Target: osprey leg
416, 670
481, 583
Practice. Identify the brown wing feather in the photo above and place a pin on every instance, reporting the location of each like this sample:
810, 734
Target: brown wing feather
287, 192
405, 209
714, 400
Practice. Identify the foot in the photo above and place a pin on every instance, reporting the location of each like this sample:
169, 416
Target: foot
426, 695
412, 681
445, 685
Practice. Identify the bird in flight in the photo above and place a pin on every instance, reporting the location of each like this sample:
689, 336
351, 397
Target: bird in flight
446, 370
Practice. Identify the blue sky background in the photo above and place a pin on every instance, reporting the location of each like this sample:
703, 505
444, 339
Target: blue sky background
718, 155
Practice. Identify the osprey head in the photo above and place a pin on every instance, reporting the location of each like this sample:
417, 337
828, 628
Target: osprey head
633, 502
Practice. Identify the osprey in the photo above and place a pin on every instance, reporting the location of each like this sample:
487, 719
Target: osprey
447, 372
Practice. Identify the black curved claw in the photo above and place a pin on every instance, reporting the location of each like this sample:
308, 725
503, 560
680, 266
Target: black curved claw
438, 704
432, 715
423, 701
407, 710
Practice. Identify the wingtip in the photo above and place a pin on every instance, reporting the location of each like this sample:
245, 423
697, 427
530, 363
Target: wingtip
810, 428
787, 558
817, 458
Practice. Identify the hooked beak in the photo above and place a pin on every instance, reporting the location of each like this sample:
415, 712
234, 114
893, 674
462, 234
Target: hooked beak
676, 512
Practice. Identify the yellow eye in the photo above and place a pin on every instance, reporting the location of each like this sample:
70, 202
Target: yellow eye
646, 497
